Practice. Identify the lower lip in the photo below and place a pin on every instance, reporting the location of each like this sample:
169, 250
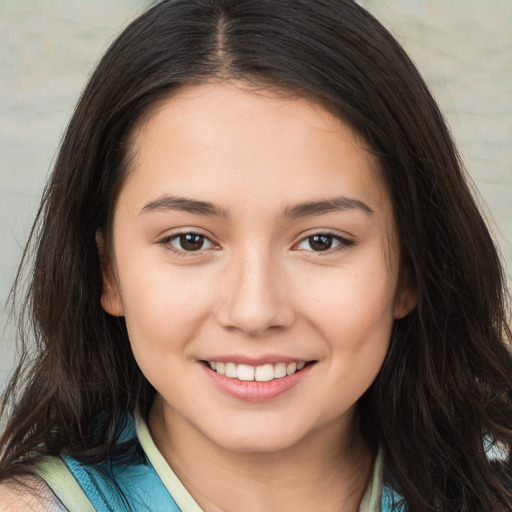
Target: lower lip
253, 391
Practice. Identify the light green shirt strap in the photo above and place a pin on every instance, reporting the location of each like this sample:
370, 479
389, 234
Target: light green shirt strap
172, 483
61, 481
372, 497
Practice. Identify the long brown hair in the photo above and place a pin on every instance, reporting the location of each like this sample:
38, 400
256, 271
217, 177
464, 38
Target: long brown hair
444, 394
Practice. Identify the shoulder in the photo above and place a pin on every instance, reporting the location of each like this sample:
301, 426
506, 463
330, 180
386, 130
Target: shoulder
27, 493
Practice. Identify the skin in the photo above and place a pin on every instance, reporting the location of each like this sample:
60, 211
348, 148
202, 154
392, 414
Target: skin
256, 288
28, 493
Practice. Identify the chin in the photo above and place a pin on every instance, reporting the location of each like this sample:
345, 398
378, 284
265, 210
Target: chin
258, 444
263, 439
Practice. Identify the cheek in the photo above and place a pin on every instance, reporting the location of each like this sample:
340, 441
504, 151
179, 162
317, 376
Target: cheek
164, 306
356, 326
164, 310
351, 298
352, 308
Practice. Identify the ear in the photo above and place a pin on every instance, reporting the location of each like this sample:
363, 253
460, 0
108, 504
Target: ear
406, 296
110, 297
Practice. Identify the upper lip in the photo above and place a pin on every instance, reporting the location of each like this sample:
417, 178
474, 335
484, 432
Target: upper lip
256, 361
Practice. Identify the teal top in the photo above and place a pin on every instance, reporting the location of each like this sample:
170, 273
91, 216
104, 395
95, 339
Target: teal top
149, 484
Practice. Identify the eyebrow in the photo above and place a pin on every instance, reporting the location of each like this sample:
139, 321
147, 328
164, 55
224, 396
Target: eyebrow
306, 209
332, 205
183, 204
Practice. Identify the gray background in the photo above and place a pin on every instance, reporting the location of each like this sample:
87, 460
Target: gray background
48, 48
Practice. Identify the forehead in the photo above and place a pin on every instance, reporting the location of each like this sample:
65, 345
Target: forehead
225, 142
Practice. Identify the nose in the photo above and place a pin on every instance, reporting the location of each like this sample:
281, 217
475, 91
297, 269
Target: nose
254, 299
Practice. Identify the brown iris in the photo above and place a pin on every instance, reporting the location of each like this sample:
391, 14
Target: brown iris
320, 242
191, 242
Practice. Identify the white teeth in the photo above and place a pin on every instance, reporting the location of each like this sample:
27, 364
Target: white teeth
280, 370
244, 372
221, 368
291, 368
231, 371
263, 373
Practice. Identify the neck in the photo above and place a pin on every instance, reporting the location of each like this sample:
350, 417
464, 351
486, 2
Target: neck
329, 468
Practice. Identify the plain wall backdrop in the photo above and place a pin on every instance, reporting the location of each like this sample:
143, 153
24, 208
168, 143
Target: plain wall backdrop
48, 48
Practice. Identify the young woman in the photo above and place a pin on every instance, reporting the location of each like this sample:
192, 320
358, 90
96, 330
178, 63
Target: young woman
260, 282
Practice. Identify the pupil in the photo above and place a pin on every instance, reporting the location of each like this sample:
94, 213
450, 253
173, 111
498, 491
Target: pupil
191, 242
321, 242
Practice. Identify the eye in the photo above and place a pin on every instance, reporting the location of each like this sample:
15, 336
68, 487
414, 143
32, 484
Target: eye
187, 242
323, 242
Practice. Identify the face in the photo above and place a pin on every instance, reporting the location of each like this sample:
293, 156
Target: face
255, 262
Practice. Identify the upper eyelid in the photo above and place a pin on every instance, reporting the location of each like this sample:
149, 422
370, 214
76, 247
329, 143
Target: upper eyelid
187, 231
345, 237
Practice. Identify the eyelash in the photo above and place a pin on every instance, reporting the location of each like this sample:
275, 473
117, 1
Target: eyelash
343, 243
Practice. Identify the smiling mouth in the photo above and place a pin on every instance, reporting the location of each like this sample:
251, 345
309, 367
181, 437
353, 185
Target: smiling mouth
263, 373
